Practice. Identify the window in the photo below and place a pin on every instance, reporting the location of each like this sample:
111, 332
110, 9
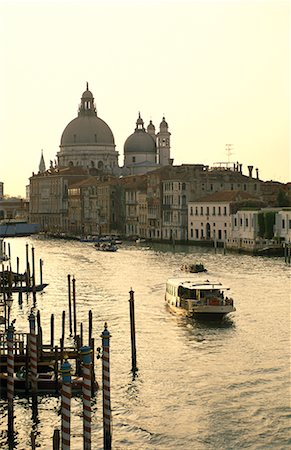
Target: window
196, 211
201, 210
219, 210
191, 232
191, 211
224, 210
283, 223
196, 233
213, 210
133, 159
207, 210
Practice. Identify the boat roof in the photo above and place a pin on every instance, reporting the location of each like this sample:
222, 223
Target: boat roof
195, 284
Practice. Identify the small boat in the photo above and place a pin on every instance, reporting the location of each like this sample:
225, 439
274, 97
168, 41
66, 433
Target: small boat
193, 268
105, 247
140, 240
198, 299
36, 288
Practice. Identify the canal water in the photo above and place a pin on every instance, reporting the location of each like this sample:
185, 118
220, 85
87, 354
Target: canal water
199, 386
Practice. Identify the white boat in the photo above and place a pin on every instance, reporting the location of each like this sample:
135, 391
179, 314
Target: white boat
197, 298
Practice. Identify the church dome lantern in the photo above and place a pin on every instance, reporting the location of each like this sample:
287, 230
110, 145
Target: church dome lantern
87, 128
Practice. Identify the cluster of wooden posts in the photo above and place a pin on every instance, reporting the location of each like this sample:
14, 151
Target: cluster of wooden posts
30, 366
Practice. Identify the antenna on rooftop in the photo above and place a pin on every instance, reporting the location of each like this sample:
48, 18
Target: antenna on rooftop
228, 149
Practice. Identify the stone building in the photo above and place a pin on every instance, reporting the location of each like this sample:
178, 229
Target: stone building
48, 204
210, 217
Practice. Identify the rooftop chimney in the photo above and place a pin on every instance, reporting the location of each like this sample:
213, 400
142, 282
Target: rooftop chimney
250, 170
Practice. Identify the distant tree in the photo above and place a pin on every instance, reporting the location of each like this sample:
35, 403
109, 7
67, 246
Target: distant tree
269, 219
261, 225
282, 199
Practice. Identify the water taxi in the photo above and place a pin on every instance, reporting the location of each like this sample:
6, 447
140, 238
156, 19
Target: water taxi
197, 298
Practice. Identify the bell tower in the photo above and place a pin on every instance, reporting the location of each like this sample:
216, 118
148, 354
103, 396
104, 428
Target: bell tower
163, 144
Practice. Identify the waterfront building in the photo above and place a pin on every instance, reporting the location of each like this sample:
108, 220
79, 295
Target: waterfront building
210, 217
252, 229
14, 208
282, 228
135, 205
48, 204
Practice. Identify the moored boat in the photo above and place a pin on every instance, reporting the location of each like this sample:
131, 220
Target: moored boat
105, 247
197, 298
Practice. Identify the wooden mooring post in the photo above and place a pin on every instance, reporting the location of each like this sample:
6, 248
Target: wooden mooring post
132, 330
52, 331
70, 304
33, 276
74, 306
56, 439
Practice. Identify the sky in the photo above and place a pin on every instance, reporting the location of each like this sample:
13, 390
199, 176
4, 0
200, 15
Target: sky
217, 70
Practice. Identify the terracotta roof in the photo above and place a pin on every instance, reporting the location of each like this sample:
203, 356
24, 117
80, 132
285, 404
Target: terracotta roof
227, 196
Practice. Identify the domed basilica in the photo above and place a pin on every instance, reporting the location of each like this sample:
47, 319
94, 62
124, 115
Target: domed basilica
88, 142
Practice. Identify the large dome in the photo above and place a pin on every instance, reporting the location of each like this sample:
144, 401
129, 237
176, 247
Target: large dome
87, 130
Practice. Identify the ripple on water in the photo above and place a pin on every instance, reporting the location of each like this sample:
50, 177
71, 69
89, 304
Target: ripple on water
199, 386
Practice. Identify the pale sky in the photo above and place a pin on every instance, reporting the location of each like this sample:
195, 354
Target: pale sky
218, 70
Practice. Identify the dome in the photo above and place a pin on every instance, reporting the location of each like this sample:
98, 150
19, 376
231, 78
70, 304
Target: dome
163, 124
151, 126
140, 142
87, 94
87, 130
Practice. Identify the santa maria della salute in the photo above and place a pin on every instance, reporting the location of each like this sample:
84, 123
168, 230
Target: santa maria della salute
86, 191
88, 142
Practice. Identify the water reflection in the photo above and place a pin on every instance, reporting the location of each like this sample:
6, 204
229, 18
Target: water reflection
199, 385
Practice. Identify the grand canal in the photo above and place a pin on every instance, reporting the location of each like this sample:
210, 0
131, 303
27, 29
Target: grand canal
198, 386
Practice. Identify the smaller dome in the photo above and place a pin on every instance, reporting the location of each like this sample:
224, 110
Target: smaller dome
87, 94
151, 126
163, 124
140, 142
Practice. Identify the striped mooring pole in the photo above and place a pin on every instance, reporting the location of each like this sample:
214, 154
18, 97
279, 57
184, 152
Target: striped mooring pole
66, 395
106, 389
10, 379
32, 353
86, 357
